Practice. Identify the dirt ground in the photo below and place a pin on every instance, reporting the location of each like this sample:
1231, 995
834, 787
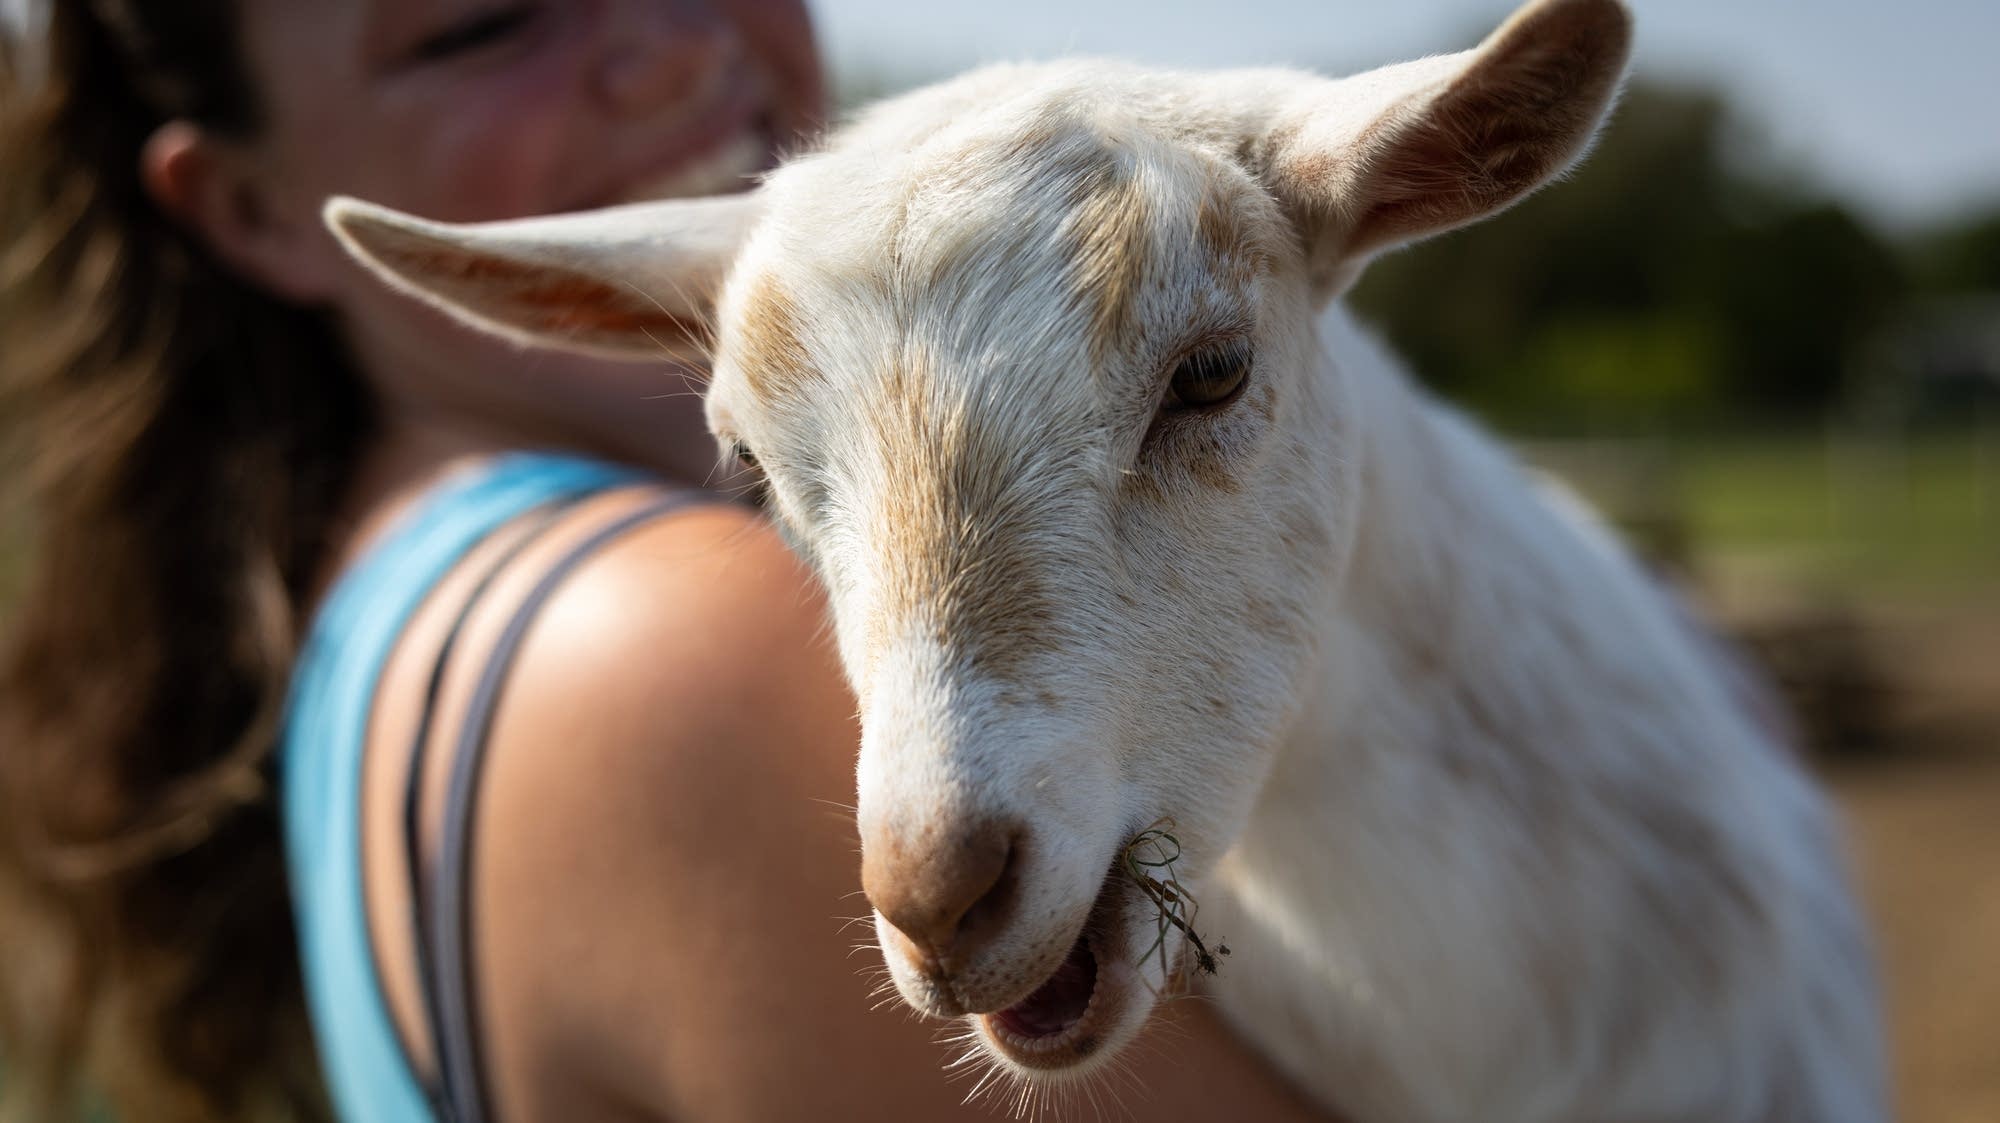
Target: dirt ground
1927, 841
1923, 810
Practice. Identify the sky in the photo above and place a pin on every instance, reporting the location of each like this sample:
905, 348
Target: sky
1893, 104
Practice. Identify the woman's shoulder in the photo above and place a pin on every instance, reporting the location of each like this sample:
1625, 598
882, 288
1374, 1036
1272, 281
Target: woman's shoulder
701, 604
674, 734
655, 634
677, 654
686, 657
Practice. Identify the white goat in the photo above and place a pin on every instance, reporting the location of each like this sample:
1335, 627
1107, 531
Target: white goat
1117, 529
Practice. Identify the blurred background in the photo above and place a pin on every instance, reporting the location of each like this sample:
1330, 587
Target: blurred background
1760, 327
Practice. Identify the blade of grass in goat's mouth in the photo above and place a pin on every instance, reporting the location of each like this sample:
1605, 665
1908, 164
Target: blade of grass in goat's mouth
1059, 1004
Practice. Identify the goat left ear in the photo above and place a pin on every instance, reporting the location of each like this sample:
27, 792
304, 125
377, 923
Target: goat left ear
1396, 154
634, 282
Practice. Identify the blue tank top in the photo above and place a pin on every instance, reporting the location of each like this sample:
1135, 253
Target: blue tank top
332, 693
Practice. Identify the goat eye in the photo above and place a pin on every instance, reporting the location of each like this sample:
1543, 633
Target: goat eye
1209, 377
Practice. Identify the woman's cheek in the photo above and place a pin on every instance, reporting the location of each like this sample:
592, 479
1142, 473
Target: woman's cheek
508, 148
496, 164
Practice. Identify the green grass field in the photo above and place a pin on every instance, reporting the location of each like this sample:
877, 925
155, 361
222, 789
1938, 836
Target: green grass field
1868, 516
1876, 512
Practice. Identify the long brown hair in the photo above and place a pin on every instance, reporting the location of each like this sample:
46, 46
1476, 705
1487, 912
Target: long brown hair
175, 442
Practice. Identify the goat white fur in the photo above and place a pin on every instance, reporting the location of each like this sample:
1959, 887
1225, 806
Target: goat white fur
1487, 828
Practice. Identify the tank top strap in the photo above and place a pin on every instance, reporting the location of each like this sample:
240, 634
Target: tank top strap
319, 761
443, 912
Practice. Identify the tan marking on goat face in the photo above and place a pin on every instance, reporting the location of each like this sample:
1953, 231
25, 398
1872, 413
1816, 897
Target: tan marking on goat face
1234, 255
954, 551
1298, 173
768, 348
1110, 246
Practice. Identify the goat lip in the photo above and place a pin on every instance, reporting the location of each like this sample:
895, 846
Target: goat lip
1071, 1015
1063, 1021
1058, 1005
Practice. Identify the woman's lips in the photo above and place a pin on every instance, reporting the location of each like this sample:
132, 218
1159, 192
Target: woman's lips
726, 168
728, 144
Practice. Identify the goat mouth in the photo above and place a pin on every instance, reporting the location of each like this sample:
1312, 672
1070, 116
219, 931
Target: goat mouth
1067, 1019
1058, 1005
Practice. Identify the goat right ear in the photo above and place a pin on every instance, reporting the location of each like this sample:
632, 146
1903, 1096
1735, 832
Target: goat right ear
630, 282
1396, 154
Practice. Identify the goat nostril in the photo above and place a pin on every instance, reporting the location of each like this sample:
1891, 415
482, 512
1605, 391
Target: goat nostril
949, 899
994, 907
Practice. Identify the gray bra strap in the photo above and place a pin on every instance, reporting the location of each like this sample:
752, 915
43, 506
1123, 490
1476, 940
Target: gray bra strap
456, 1030
537, 522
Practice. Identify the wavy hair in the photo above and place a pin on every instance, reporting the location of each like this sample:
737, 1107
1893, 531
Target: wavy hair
173, 443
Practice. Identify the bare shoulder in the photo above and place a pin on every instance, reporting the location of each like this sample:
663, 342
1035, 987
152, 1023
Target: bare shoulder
663, 819
679, 692
682, 670
697, 611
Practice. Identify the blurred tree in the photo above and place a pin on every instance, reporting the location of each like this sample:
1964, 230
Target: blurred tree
1664, 284
1960, 256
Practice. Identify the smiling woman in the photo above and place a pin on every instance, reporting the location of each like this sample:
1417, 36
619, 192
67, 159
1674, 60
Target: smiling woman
393, 728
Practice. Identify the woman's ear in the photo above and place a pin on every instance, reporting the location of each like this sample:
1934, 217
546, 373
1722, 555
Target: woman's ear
214, 190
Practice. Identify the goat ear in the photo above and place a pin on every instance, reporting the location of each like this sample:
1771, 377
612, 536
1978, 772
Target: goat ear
635, 281
1396, 154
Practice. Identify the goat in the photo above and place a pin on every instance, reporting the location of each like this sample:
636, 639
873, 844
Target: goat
1124, 524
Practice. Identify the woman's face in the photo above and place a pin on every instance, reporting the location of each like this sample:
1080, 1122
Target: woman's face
487, 109
472, 110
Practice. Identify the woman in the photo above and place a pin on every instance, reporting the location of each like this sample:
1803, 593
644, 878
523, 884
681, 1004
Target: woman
244, 461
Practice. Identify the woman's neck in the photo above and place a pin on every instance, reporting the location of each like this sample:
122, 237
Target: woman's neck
417, 443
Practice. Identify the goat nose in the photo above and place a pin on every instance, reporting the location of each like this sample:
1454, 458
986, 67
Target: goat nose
947, 897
